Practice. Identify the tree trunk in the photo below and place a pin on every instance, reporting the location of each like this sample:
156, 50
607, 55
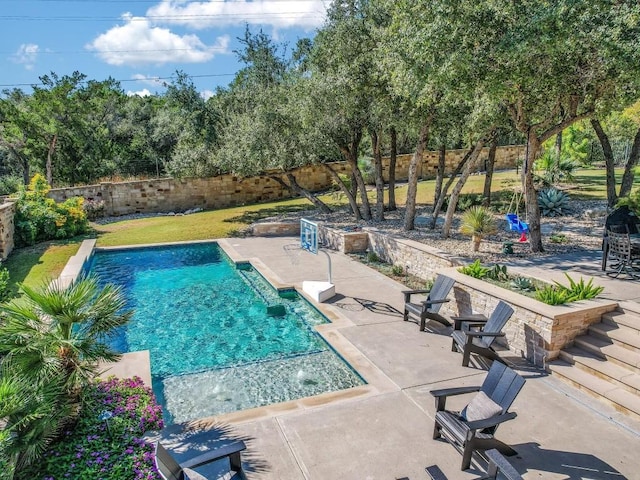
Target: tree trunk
295, 187
455, 193
49, 166
438, 206
412, 187
608, 160
346, 190
377, 162
558, 146
488, 179
530, 194
393, 157
629, 168
350, 154
442, 159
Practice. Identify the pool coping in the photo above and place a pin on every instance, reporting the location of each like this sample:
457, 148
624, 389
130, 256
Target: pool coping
138, 363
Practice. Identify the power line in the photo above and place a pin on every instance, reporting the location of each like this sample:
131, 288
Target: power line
211, 75
185, 17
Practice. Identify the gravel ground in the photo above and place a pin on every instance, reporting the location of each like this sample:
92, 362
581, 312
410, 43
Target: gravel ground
582, 229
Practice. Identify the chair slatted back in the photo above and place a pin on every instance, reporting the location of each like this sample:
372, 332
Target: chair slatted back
620, 245
168, 468
440, 289
502, 385
496, 322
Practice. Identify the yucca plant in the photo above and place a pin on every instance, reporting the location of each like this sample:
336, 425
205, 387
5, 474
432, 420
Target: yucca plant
551, 295
580, 290
478, 222
552, 202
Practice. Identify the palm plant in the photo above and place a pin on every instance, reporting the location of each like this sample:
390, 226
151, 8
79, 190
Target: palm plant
53, 338
478, 222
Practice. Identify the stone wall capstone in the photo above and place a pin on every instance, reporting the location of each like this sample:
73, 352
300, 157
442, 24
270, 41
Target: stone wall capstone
7, 212
179, 195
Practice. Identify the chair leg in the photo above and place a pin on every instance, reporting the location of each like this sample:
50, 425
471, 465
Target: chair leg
423, 323
454, 345
436, 431
466, 457
406, 315
466, 356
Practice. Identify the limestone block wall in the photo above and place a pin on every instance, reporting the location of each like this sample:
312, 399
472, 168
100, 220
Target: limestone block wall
416, 258
178, 195
7, 212
506, 157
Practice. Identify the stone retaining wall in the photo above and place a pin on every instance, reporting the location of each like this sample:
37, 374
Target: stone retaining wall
178, 195
7, 212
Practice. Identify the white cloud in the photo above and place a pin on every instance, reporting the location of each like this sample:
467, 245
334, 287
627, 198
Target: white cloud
207, 94
137, 42
26, 55
307, 14
141, 93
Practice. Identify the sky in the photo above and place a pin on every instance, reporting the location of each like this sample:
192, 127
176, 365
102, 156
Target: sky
142, 43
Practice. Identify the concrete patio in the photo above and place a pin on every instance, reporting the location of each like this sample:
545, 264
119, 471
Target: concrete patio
384, 430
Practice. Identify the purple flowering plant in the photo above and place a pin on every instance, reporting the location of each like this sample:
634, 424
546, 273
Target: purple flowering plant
106, 441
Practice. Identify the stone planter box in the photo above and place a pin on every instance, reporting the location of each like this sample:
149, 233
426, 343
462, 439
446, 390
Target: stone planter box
536, 331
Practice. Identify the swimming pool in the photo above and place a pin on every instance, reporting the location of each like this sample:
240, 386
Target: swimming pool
220, 337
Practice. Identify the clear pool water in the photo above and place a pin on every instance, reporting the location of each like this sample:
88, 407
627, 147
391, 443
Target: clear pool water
220, 337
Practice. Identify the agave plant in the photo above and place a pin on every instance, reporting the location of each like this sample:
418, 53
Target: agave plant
552, 202
478, 222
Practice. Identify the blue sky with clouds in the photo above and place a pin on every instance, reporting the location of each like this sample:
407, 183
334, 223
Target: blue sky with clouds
141, 41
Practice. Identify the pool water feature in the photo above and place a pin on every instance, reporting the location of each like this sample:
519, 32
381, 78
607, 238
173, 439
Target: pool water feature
220, 337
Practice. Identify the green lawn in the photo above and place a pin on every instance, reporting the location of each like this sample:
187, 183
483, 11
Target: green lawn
35, 265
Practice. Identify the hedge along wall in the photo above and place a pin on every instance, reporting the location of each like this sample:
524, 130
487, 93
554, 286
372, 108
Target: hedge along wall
7, 212
168, 194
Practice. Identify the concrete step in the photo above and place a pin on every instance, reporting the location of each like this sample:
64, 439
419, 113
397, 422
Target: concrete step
620, 335
601, 368
623, 317
607, 349
621, 399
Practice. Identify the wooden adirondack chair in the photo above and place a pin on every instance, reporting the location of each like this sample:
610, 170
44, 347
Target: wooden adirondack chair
476, 333
219, 463
473, 429
429, 308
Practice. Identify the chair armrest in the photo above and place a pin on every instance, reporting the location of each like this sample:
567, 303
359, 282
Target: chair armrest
484, 334
497, 463
215, 454
491, 422
407, 293
450, 392
441, 395
472, 317
457, 324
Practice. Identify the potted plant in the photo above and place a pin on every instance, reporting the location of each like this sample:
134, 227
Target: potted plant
478, 222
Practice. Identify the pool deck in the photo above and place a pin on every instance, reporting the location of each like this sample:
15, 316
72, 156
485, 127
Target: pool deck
384, 430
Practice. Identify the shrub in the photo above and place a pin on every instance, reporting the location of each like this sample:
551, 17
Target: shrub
39, 218
580, 290
558, 238
475, 270
478, 222
5, 291
551, 295
522, 283
632, 201
552, 202
397, 270
498, 273
105, 445
372, 257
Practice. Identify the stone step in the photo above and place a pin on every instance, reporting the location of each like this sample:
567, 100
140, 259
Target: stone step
627, 318
620, 335
601, 368
619, 398
608, 350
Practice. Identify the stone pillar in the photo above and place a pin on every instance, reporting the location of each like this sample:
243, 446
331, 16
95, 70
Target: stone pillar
7, 229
